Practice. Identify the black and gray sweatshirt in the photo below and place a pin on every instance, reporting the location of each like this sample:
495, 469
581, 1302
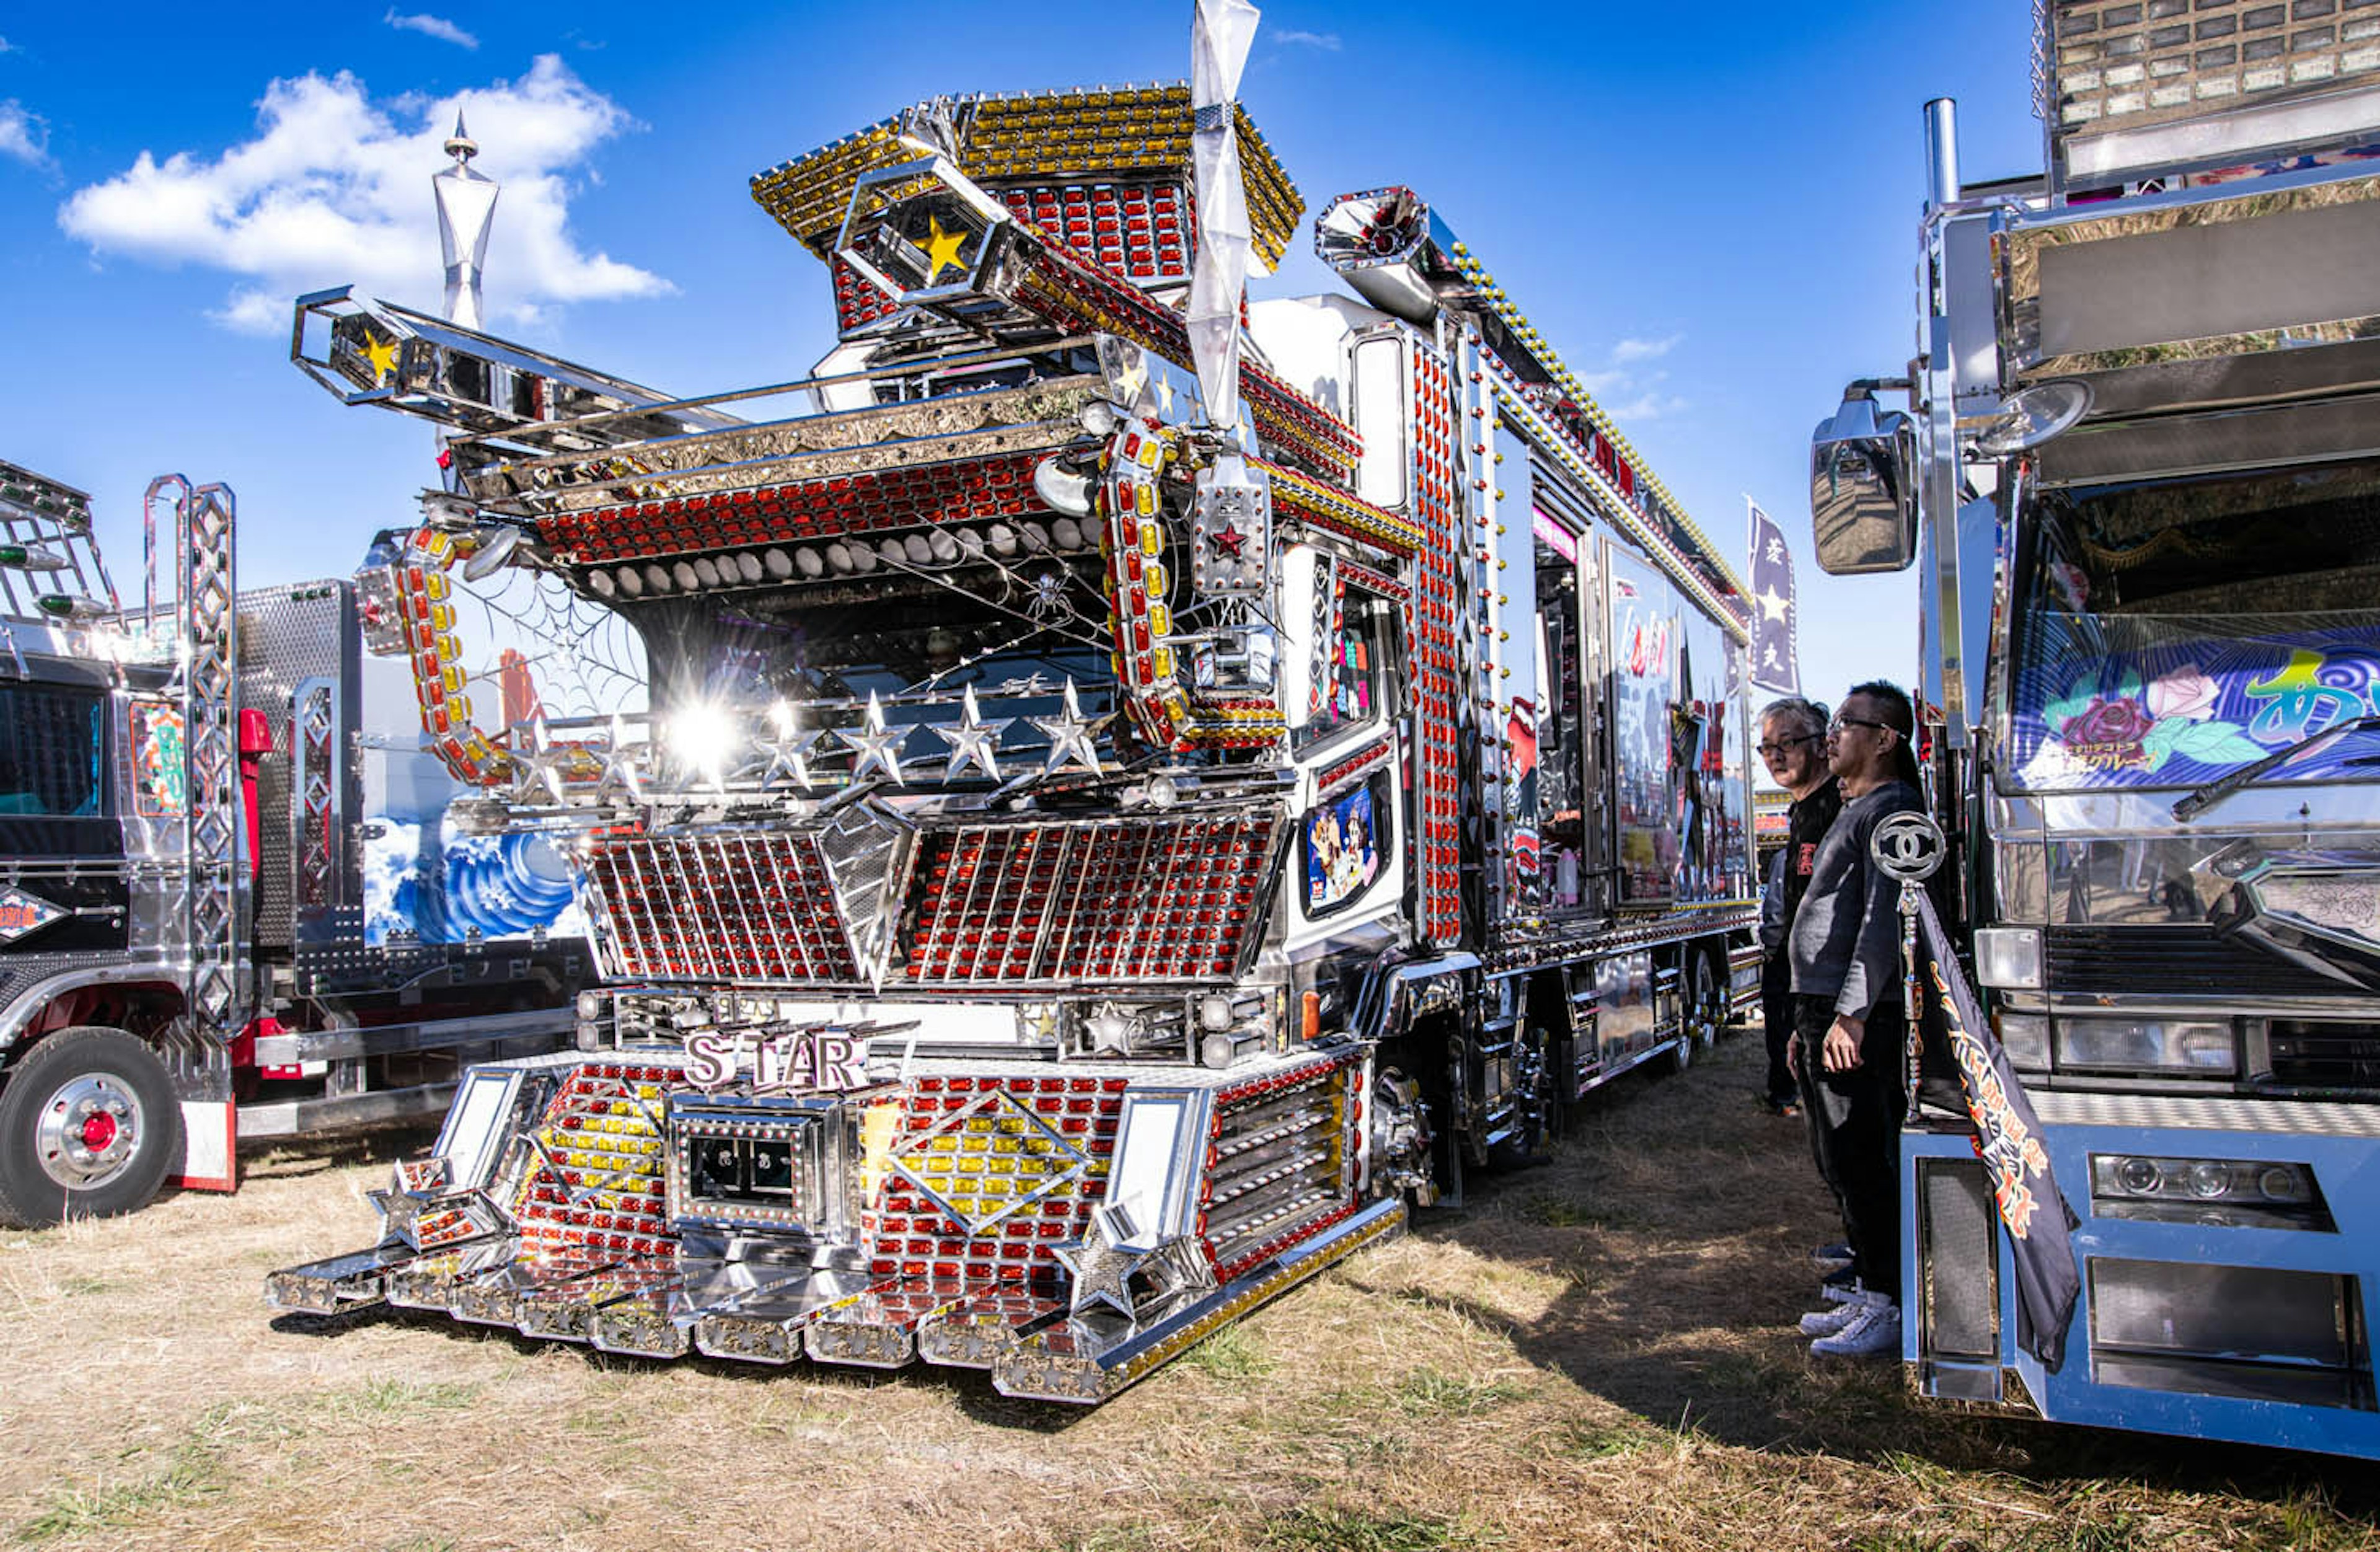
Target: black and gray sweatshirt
1846, 938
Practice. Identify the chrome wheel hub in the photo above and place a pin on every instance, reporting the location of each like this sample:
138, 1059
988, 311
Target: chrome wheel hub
89, 1131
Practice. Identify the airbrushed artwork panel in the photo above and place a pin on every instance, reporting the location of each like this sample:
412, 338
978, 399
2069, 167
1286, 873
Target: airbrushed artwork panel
2173, 702
427, 881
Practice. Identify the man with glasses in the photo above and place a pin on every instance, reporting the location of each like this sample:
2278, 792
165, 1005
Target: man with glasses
1850, 1022
1794, 746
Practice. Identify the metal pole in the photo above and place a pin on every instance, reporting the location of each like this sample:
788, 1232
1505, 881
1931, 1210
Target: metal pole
1941, 153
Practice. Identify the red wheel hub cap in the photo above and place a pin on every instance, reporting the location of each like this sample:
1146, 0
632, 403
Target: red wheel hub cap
98, 1131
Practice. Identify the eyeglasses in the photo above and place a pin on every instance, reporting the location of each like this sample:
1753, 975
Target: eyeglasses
1841, 722
1777, 750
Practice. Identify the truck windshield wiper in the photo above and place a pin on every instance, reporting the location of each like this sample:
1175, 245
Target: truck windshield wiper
2200, 799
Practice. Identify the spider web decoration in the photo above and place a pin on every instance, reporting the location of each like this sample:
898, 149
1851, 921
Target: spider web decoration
583, 659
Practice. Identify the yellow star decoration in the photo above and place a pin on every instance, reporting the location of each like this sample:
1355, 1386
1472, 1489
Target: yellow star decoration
941, 249
381, 354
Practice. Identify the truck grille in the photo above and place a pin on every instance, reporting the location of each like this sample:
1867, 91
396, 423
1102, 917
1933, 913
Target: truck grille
2119, 960
2311, 1055
740, 907
1171, 899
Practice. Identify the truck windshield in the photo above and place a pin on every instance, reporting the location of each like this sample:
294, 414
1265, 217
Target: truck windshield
2171, 632
897, 635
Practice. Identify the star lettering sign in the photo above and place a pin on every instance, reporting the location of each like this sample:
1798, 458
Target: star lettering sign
941, 249
1773, 604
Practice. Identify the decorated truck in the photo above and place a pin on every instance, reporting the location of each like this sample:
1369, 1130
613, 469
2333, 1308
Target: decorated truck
1107, 835
2139, 483
235, 908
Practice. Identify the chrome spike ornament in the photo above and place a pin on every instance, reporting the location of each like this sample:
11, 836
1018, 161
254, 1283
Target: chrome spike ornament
973, 742
467, 209
873, 745
1072, 736
1218, 50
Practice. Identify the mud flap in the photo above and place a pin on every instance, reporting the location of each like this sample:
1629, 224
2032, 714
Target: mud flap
210, 1142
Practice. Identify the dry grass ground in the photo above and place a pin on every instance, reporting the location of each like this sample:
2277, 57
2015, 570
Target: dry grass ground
1594, 1353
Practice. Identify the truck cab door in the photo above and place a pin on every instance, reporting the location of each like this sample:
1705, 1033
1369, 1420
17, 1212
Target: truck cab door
62, 846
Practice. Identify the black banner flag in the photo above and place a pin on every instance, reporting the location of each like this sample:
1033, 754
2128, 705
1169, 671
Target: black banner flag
2008, 1139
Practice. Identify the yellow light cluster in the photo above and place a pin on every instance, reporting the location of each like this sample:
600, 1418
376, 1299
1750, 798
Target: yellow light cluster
1300, 495
1101, 132
1515, 319
990, 1161
613, 1146
809, 195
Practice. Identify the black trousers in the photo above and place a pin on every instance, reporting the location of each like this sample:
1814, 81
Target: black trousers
1855, 1125
1777, 1023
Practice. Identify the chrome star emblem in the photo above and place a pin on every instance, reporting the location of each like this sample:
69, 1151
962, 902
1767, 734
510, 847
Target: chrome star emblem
1099, 1268
786, 755
972, 742
537, 770
1072, 740
873, 744
620, 765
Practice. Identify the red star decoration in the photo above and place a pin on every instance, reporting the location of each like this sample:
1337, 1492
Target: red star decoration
1229, 539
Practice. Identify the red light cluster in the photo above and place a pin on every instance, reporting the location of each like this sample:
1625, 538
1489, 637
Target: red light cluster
859, 301
1371, 581
912, 1238
1279, 1242
1317, 1079
1430, 618
635, 1223
1362, 762
736, 907
1123, 900
1134, 229
975, 487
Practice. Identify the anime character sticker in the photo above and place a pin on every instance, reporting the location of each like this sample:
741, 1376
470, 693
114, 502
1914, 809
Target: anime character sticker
1342, 849
158, 784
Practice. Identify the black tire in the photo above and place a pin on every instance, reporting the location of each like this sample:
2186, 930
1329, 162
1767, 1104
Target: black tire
58, 1158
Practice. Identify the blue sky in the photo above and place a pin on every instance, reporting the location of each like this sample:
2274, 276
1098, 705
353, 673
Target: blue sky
1709, 209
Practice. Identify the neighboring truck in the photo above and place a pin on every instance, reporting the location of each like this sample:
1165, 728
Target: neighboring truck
231, 907
2142, 491
1062, 894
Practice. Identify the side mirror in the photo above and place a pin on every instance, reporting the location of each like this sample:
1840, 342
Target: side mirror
1862, 491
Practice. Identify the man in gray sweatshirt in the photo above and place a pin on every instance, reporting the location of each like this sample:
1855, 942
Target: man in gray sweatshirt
1850, 1020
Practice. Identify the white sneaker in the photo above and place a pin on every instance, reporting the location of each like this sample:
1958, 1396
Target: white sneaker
1827, 1321
1874, 1332
1851, 1293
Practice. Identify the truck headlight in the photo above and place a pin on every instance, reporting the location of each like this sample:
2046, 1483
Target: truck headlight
2193, 1047
2026, 1036
2009, 958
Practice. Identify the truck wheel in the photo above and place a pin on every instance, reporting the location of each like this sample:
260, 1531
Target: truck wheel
88, 1125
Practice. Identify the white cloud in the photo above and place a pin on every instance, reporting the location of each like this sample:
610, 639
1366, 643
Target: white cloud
1642, 350
1628, 390
1327, 42
431, 27
335, 189
23, 136
1649, 405
7, 47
